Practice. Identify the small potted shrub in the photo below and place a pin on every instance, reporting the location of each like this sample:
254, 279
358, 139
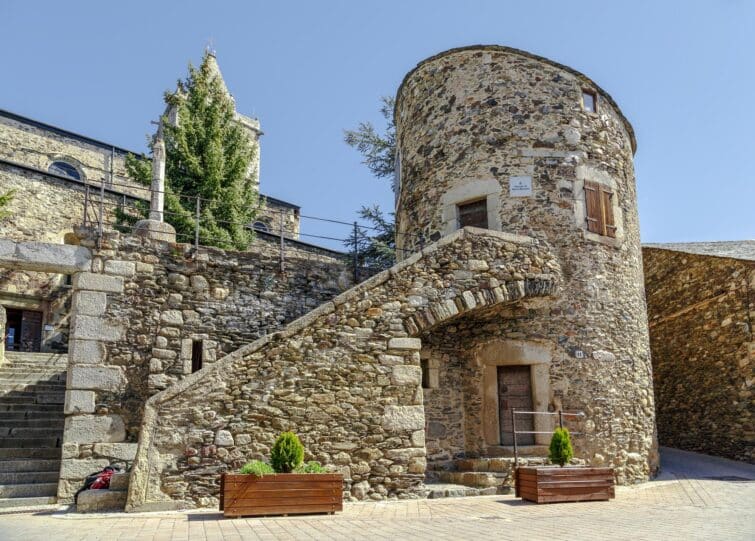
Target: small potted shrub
563, 484
285, 486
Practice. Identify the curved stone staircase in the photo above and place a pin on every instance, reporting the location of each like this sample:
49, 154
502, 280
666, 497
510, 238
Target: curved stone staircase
32, 391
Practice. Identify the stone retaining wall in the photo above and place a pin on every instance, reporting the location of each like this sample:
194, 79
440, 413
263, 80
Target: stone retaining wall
701, 311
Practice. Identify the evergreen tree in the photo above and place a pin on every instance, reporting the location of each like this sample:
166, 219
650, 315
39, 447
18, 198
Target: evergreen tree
376, 247
207, 156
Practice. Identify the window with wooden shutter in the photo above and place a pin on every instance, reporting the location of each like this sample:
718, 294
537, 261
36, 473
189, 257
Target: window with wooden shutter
474, 213
599, 204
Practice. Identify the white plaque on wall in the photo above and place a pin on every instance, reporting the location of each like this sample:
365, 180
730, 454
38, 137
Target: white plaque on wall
520, 186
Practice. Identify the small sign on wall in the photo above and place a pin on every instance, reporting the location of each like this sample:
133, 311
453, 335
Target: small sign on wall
520, 186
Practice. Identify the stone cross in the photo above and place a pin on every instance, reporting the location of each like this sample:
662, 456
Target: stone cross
157, 201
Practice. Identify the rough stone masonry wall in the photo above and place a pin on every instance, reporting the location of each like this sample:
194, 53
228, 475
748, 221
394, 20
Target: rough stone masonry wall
469, 120
37, 147
138, 312
345, 377
701, 311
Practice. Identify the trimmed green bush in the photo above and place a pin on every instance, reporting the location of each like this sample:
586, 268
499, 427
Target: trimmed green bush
257, 467
311, 467
560, 451
287, 453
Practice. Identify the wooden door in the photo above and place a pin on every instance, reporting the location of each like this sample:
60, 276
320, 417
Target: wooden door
31, 330
515, 391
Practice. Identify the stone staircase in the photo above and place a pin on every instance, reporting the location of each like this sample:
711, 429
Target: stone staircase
32, 391
493, 474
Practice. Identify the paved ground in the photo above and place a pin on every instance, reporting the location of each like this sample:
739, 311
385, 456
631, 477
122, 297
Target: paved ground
696, 497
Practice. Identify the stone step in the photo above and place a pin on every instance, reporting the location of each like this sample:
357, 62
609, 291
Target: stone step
91, 501
29, 465
499, 481
14, 503
28, 490
30, 432
34, 356
27, 443
58, 387
33, 453
32, 379
51, 422
25, 414
32, 398
15, 406
29, 477
449, 490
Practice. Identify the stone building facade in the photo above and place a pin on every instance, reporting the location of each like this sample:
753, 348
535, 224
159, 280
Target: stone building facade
701, 308
514, 143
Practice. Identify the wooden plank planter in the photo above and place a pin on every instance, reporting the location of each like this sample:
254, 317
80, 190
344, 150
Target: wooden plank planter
554, 484
280, 494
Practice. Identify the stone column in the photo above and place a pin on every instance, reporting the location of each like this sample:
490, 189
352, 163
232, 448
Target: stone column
155, 227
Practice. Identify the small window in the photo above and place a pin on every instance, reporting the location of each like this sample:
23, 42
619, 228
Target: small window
424, 363
474, 213
261, 226
64, 169
196, 355
590, 101
599, 204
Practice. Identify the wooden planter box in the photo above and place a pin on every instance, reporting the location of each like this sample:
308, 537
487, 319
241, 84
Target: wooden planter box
554, 484
280, 494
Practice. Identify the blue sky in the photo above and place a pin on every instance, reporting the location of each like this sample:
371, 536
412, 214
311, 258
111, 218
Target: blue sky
683, 72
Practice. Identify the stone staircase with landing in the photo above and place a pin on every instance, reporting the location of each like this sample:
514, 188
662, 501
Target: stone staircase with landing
32, 392
488, 475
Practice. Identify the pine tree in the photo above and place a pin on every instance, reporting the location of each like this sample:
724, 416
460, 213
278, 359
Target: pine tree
208, 155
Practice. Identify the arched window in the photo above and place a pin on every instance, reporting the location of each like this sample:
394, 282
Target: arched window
261, 226
64, 169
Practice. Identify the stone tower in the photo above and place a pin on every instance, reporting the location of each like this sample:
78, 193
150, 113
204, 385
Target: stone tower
498, 138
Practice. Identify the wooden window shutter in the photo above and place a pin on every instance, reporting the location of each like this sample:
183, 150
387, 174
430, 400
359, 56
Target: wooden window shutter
593, 202
474, 214
608, 224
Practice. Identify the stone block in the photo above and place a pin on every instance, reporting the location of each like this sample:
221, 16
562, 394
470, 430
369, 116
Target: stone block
406, 375
89, 303
91, 501
116, 451
70, 450
120, 268
94, 429
98, 282
95, 328
80, 468
79, 402
86, 352
223, 438
172, 317
403, 418
98, 378
405, 343
199, 282
119, 481
45, 257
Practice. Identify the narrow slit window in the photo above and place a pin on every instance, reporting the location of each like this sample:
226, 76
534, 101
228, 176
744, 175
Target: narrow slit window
590, 101
474, 213
599, 205
424, 363
196, 355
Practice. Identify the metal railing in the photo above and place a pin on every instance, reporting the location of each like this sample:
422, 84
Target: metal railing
559, 413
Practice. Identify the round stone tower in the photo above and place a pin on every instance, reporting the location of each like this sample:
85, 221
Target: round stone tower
497, 138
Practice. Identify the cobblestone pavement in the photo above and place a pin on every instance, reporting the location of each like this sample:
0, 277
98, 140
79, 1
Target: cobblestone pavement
696, 497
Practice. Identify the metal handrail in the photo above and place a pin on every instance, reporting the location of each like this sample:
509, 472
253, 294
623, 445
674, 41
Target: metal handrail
561, 415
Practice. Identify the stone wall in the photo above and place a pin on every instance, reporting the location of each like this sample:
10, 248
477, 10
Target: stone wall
471, 123
36, 146
138, 313
345, 377
701, 310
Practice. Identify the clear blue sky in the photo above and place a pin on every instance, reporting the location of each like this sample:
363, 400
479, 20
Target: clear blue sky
683, 72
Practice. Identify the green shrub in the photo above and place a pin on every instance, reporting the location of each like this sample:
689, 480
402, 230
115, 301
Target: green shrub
560, 449
287, 453
257, 467
310, 467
